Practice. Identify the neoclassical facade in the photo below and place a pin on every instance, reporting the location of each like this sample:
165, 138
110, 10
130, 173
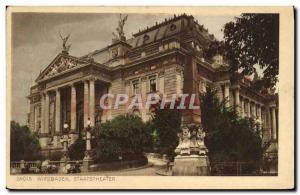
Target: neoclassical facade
166, 58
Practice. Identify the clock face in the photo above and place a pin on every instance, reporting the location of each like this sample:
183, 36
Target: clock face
114, 52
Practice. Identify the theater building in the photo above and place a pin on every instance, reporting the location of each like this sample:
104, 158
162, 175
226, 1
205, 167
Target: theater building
166, 58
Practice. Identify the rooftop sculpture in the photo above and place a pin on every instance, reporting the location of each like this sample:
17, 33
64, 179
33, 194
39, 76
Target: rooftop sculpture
65, 47
120, 36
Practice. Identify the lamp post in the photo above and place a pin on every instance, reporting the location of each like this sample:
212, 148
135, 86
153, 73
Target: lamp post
88, 140
64, 140
87, 160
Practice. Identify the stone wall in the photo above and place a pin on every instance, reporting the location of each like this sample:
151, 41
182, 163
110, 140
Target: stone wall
172, 80
118, 87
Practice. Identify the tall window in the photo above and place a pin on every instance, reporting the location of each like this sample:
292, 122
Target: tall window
135, 87
152, 84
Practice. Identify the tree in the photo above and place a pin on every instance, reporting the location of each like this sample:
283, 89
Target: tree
215, 47
253, 39
24, 145
165, 125
77, 149
125, 135
229, 137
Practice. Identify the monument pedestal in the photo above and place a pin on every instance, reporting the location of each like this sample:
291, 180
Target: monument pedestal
56, 141
44, 141
63, 162
191, 159
86, 163
62, 167
192, 165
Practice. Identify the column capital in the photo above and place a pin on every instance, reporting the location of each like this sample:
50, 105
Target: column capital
72, 84
57, 90
226, 83
235, 86
45, 92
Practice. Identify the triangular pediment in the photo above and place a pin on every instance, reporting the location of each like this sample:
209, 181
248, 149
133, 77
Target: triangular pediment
61, 63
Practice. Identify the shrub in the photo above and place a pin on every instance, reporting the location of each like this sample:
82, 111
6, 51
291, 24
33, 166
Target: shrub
126, 135
229, 137
24, 145
77, 149
165, 125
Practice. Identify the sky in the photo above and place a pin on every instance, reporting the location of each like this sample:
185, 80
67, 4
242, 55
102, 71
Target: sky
36, 42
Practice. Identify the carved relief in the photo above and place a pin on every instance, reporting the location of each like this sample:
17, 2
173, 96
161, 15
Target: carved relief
191, 141
114, 53
61, 65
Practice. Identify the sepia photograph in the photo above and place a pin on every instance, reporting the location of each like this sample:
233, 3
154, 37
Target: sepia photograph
100, 94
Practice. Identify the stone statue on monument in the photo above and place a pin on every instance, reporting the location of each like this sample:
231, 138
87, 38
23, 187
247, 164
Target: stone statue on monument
183, 147
191, 152
65, 47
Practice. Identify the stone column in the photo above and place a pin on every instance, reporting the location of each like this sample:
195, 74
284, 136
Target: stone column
44, 137
242, 107
85, 103
36, 124
259, 113
274, 135
253, 111
57, 112
42, 113
259, 119
237, 98
73, 108
56, 137
249, 108
47, 106
73, 134
226, 94
269, 121
92, 102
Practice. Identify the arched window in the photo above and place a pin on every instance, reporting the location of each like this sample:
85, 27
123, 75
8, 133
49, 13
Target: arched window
146, 38
173, 27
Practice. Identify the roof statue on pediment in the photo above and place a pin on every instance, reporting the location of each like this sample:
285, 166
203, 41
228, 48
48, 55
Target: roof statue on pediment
61, 64
120, 30
65, 47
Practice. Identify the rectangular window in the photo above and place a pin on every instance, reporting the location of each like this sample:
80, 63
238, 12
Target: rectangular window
152, 81
135, 87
